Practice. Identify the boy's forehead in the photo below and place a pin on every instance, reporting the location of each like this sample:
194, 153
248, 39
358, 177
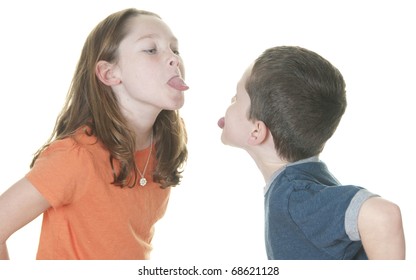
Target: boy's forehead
242, 83
246, 74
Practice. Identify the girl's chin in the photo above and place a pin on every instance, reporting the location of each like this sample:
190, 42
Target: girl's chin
176, 104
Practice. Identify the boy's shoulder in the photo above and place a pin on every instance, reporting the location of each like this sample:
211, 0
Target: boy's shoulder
310, 179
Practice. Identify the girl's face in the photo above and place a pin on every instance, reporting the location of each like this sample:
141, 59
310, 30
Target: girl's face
236, 127
149, 67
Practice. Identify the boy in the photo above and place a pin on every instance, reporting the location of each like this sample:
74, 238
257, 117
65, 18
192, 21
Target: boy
289, 102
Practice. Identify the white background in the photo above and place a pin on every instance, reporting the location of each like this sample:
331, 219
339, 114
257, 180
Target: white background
216, 214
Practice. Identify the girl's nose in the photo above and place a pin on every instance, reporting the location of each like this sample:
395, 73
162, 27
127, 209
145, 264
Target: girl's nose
174, 60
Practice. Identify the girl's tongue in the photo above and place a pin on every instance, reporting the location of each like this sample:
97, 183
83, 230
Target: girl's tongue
178, 83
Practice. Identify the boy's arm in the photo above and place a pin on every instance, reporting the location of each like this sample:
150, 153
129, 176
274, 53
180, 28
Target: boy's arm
381, 230
20, 204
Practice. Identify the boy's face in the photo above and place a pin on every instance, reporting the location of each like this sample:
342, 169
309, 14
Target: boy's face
236, 127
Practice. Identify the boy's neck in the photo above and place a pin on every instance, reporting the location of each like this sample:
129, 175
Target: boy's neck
268, 169
268, 165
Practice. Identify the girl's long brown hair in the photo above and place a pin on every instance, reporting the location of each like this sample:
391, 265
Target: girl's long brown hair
91, 103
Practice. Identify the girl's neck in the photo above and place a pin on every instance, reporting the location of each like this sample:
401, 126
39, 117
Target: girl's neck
141, 123
143, 131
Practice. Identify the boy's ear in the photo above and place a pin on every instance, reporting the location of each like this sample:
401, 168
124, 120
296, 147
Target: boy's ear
105, 73
259, 133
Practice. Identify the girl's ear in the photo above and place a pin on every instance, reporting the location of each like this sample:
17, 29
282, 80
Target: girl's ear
105, 73
259, 133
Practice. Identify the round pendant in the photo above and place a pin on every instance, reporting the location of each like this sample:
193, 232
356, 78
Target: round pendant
142, 181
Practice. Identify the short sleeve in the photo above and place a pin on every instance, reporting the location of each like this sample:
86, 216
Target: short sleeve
320, 212
351, 215
58, 170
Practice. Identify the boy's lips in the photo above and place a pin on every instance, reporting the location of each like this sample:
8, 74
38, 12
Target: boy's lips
221, 122
178, 83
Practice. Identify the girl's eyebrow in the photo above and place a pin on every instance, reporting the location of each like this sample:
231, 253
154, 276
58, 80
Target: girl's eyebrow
154, 35
147, 36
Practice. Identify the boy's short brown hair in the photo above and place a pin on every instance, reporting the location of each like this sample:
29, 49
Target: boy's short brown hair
300, 96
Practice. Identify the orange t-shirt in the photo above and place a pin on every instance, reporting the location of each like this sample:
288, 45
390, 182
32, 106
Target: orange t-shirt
91, 218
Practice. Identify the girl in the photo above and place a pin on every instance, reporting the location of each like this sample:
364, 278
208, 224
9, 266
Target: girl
102, 180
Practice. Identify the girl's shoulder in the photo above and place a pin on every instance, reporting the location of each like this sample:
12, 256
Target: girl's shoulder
84, 137
81, 141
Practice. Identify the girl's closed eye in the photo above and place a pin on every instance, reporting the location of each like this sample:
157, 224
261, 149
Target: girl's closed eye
151, 51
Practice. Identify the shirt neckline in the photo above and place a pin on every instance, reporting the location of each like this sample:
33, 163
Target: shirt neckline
280, 170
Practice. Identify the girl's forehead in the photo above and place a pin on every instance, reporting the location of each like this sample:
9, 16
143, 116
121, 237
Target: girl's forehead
147, 26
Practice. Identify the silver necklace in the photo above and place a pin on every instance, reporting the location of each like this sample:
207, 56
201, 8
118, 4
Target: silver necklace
143, 180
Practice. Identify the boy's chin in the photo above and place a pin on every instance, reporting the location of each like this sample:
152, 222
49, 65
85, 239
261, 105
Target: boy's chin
227, 142
224, 140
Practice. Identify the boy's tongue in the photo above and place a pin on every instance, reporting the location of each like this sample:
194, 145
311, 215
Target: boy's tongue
178, 83
221, 122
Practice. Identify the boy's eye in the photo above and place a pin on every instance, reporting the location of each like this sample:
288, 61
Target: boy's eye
233, 99
175, 52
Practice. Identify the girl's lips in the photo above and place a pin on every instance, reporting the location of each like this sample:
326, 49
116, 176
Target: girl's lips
221, 122
178, 83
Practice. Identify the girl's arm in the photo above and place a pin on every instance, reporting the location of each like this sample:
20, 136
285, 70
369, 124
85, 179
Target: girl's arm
3, 252
381, 229
19, 205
